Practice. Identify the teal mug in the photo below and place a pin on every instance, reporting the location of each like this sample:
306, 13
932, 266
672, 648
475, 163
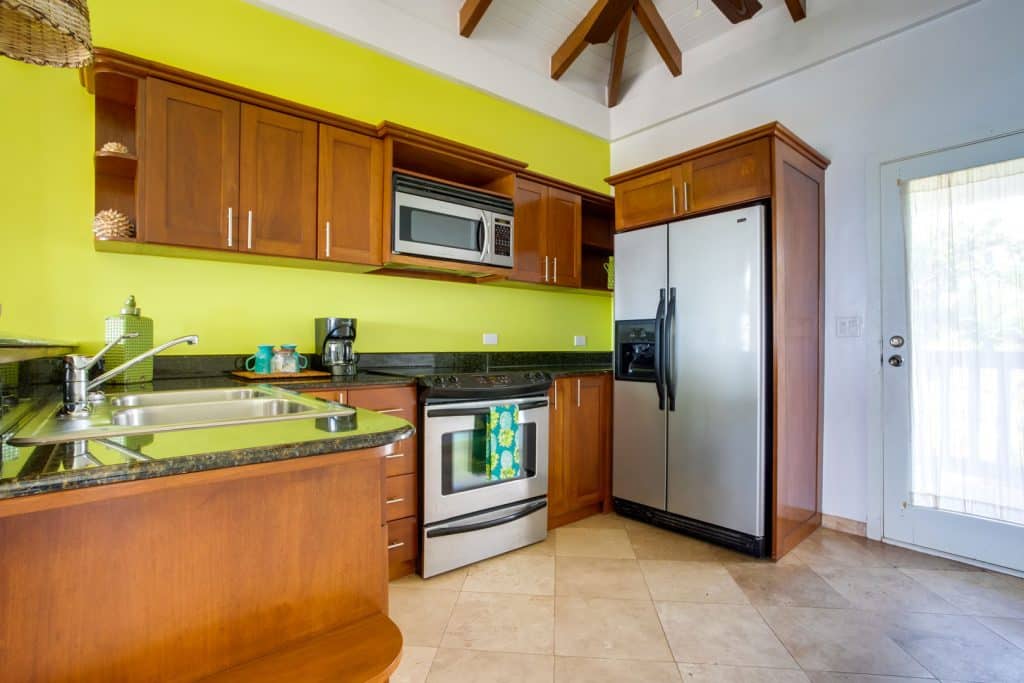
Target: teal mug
260, 362
301, 362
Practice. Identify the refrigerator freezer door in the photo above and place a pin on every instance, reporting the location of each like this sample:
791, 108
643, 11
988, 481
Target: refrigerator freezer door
639, 442
716, 451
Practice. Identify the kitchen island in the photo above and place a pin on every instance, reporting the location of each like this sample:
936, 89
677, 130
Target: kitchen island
226, 552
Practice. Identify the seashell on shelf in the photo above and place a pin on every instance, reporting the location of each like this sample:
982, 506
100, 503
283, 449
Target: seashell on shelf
112, 224
116, 147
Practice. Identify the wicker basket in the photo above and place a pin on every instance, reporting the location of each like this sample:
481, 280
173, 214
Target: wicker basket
46, 32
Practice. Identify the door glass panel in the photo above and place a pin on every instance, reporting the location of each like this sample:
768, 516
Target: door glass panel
444, 230
965, 240
464, 457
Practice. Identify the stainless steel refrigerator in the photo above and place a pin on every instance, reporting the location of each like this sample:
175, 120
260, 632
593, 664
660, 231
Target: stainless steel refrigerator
691, 382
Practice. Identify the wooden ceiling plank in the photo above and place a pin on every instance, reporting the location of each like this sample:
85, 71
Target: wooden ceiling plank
739, 10
600, 21
797, 9
470, 14
652, 23
618, 59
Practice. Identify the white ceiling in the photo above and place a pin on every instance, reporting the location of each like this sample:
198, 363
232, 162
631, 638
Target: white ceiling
509, 53
528, 32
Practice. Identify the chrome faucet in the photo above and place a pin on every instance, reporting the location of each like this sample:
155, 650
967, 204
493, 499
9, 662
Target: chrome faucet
77, 384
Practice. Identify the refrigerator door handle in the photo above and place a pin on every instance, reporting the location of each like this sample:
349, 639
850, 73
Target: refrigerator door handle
669, 366
659, 346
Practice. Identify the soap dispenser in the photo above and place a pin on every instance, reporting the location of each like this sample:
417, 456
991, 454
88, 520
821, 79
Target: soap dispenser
130, 320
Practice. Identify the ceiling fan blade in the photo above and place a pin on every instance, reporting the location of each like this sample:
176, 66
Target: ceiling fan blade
797, 9
738, 10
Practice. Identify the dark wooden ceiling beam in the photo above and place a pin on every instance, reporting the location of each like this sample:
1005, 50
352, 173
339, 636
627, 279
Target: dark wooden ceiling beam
596, 27
797, 9
618, 59
470, 14
739, 10
652, 23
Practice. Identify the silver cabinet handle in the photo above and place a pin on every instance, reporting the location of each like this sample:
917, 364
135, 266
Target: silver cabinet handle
230, 226
556, 269
393, 546
391, 410
578, 391
545, 269
555, 392
396, 455
327, 240
686, 197
392, 501
249, 238
673, 199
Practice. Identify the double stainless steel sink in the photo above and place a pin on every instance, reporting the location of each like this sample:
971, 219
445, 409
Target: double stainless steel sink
163, 411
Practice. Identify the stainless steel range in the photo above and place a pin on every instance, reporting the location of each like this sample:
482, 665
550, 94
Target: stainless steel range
467, 515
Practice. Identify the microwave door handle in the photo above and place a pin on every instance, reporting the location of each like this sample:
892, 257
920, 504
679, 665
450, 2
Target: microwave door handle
486, 230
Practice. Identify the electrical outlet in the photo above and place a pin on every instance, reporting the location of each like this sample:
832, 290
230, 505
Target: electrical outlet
849, 326
579, 340
490, 338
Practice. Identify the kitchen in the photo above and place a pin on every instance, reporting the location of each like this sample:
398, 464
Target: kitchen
311, 157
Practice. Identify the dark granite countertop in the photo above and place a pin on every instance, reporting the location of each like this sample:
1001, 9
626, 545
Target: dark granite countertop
43, 469
557, 371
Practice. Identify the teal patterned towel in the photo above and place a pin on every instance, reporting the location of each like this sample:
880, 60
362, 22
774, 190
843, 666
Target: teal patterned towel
503, 449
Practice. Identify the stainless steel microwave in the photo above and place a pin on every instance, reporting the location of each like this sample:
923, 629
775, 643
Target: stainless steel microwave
441, 221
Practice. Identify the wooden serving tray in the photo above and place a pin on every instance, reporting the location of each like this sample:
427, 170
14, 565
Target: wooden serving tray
261, 376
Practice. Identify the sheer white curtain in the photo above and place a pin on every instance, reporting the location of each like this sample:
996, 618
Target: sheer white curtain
965, 258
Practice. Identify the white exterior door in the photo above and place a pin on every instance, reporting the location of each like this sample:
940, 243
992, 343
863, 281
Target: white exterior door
953, 351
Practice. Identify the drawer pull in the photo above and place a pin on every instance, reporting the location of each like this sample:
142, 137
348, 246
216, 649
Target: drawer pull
392, 501
395, 546
391, 410
396, 455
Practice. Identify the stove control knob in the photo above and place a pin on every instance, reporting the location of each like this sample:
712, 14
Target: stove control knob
452, 379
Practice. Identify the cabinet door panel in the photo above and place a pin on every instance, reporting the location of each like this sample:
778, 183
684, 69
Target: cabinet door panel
278, 184
649, 199
588, 460
563, 235
558, 500
733, 176
351, 197
190, 179
529, 245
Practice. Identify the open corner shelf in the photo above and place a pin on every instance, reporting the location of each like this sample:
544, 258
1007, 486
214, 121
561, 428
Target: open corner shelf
116, 164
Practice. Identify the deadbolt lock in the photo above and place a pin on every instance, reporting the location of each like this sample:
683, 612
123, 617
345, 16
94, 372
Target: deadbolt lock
896, 341
896, 361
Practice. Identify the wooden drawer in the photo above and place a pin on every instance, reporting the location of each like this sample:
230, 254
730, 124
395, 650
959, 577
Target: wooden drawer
732, 176
329, 394
399, 401
400, 497
403, 540
403, 460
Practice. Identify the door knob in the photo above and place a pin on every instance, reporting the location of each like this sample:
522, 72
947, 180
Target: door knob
896, 361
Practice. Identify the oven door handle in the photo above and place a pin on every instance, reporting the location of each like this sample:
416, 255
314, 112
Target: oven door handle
466, 412
528, 509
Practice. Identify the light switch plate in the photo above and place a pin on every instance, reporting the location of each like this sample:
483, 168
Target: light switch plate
849, 326
490, 338
579, 340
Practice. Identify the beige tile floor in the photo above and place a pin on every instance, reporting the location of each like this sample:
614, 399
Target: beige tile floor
611, 599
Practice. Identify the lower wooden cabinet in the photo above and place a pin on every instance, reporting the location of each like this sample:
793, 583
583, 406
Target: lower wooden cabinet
579, 465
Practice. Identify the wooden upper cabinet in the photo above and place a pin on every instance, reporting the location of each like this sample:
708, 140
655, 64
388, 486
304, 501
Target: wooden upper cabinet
190, 179
530, 219
548, 234
732, 176
351, 179
651, 198
563, 236
278, 184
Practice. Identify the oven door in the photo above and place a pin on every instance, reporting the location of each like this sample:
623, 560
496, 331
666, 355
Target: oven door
440, 229
455, 438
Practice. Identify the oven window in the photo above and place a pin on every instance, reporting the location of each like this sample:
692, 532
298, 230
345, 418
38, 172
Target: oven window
443, 230
464, 457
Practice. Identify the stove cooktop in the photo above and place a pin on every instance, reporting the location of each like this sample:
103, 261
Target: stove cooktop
439, 383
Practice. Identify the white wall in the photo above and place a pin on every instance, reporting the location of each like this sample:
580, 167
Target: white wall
951, 80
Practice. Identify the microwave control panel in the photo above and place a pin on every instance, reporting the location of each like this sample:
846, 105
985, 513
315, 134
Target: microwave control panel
502, 237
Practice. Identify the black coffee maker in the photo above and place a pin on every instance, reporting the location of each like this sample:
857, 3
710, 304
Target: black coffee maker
335, 338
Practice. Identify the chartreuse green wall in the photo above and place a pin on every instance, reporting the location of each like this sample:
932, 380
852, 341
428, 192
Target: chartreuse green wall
54, 284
